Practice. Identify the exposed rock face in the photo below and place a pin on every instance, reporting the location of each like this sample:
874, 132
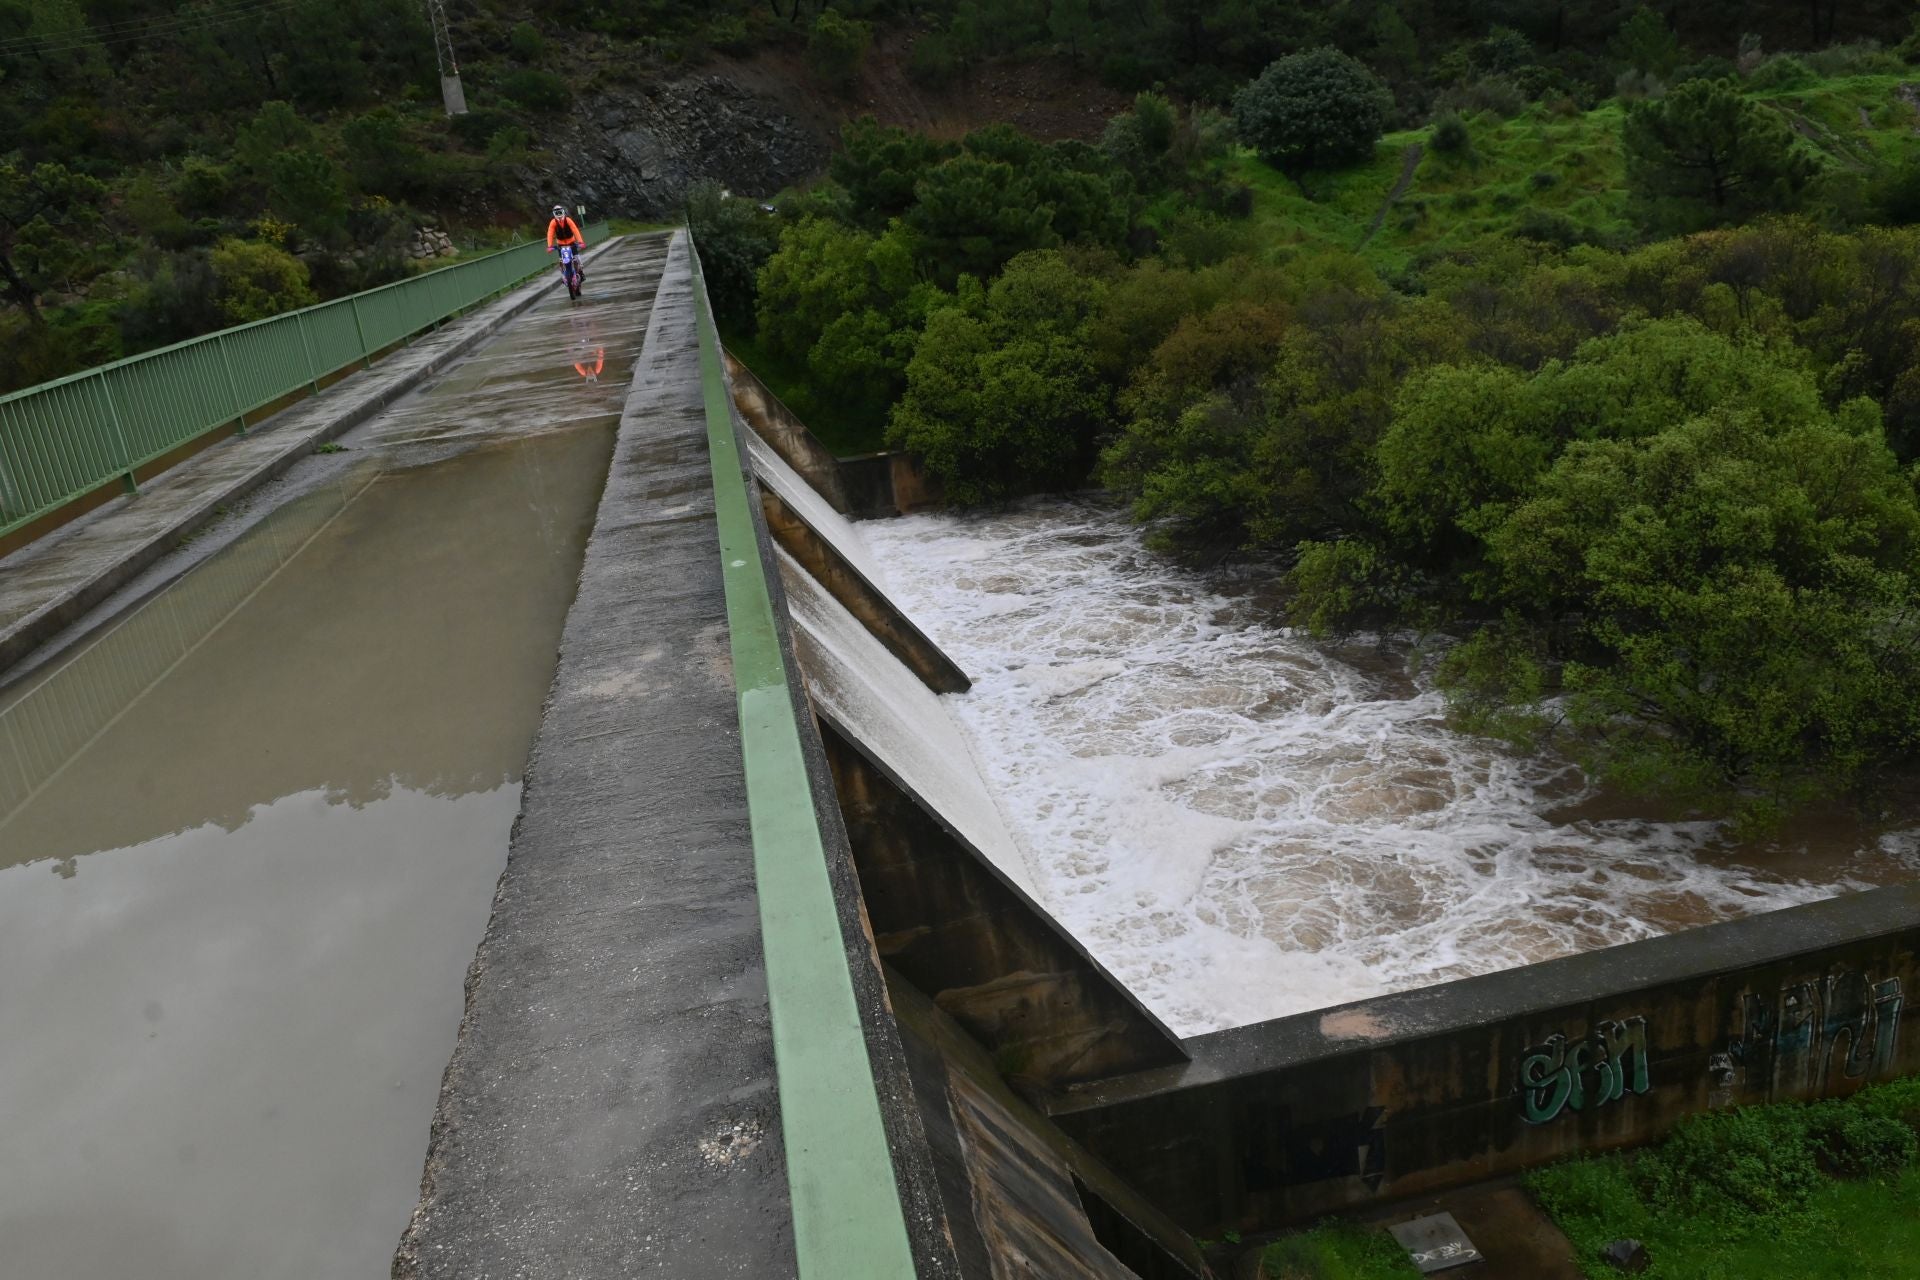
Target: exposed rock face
634, 152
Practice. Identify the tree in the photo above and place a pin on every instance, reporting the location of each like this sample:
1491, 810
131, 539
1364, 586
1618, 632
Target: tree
1647, 44
1706, 155
1744, 603
734, 239
973, 214
1003, 394
46, 211
878, 166
1315, 110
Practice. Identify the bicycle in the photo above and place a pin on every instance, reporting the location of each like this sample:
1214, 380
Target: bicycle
570, 271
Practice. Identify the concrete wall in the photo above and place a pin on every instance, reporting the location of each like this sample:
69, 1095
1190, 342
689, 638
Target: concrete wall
879, 485
773, 422
1405, 1094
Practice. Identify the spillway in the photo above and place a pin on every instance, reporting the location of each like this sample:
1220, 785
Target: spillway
249, 834
1244, 824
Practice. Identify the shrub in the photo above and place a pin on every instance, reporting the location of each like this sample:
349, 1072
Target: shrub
735, 239
1780, 72
202, 188
1861, 58
538, 91
935, 61
1451, 136
836, 48
1495, 95
1853, 1142
254, 281
1315, 110
526, 43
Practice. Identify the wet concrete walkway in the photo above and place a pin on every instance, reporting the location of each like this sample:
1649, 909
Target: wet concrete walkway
249, 835
53, 581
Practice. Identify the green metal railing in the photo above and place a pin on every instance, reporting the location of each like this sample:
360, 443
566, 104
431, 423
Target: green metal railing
63, 439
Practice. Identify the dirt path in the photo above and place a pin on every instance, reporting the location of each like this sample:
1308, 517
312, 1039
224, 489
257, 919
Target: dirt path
1409, 162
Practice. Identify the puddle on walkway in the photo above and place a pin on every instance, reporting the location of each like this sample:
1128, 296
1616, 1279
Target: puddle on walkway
248, 842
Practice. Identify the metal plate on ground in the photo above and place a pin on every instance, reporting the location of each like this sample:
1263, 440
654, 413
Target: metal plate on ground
1435, 1243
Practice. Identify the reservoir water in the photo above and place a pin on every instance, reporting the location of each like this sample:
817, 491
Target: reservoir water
249, 835
1243, 823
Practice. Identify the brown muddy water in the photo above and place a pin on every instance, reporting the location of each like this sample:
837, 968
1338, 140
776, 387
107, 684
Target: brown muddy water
249, 838
1244, 823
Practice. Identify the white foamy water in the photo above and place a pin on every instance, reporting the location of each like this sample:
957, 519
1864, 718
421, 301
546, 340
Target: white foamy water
1243, 824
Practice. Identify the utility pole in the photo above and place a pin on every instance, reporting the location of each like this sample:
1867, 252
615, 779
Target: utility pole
451, 93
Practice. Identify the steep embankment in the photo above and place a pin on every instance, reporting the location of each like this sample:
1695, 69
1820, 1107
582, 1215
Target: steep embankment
1554, 173
634, 144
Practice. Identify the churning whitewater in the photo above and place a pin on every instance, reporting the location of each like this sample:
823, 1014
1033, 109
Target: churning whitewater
1243, 824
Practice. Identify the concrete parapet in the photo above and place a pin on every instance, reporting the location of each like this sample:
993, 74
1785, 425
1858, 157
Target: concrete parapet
1409, 1093
773, 422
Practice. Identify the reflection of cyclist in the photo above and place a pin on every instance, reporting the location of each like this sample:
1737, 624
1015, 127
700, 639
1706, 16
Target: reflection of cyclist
588, 354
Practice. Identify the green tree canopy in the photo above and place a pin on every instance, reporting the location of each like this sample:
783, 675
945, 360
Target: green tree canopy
1705, 154
1003, 394
1315, 110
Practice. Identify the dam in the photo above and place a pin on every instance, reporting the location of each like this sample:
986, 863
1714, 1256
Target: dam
705, 882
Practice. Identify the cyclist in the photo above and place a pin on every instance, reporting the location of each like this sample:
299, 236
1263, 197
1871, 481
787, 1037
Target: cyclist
564, 231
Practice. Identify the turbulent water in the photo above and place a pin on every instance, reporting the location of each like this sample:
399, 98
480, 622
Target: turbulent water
1242, 823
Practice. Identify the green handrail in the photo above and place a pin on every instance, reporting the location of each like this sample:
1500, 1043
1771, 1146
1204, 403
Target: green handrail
848, 1219
63, 439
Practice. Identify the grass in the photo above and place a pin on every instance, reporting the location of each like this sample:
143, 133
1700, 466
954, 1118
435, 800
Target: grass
1540, 163
1337, 1251
1822, 1191
845, 434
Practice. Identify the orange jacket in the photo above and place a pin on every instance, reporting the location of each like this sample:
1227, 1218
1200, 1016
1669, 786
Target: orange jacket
565, 231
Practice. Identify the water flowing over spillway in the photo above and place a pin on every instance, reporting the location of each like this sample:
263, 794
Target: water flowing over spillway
1243, 824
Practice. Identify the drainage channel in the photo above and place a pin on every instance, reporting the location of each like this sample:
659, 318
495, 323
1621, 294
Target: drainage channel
249, 834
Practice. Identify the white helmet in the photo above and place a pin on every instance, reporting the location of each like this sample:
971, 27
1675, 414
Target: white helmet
559, 212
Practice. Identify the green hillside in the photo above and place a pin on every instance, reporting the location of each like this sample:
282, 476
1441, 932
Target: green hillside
1551, 171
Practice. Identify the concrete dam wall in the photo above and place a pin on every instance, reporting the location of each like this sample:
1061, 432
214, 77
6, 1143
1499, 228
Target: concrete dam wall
770, 988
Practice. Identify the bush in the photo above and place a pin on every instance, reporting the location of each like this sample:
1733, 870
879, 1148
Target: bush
734, 239
1495, 95
1852, 1142
254, 281
526, 43
836, 48
1861, 58
1314, 110
202, 188
539, 91
1451, 136
935, 61
1781, 72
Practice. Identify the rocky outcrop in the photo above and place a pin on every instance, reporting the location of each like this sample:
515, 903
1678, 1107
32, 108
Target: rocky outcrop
430, 243
633, 152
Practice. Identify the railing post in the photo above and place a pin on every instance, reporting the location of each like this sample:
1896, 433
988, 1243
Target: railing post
366, 356
120, 430
306, 344
233, 388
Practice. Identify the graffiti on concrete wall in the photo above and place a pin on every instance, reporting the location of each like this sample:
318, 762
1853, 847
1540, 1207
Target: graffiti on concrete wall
1807, 1037
1604, 1066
